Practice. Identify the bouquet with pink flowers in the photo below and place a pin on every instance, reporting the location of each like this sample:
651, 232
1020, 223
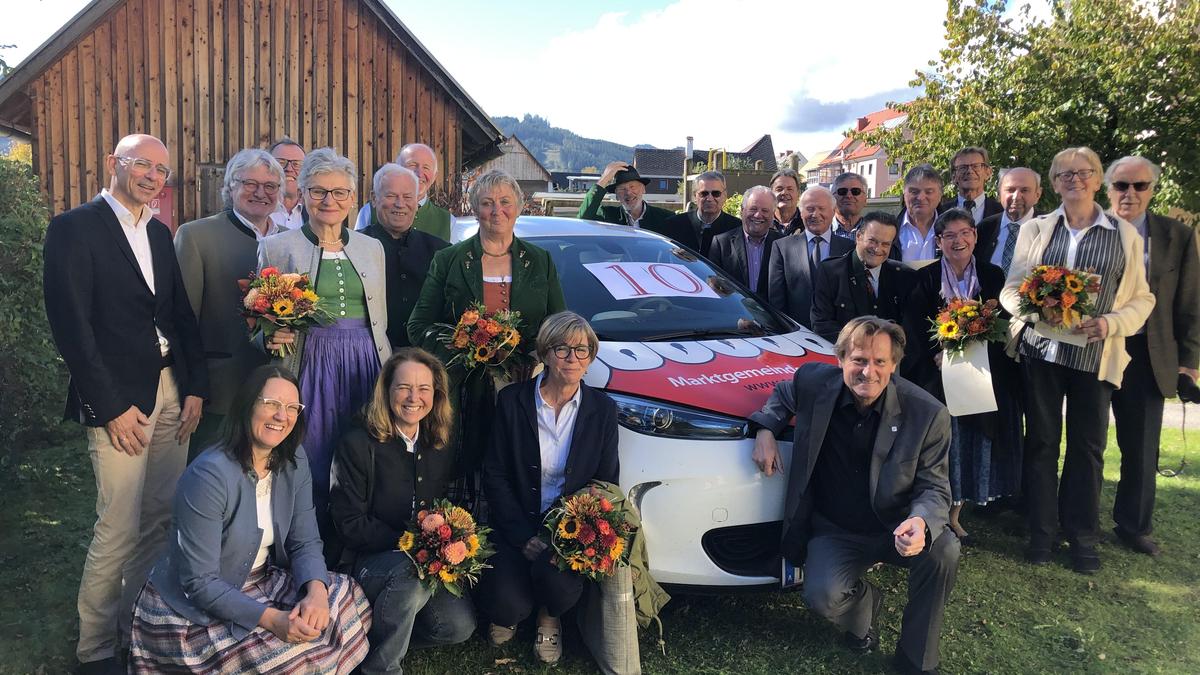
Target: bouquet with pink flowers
447, 547
272, 300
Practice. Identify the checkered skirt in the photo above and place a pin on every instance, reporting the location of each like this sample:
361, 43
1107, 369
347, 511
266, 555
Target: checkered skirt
165, 642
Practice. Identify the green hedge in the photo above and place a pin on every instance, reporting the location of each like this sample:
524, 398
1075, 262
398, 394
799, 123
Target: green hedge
32, 376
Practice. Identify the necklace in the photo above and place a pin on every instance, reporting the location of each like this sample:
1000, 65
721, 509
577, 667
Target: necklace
506, 253
334, 242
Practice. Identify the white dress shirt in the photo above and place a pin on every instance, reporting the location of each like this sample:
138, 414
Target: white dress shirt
825, 239
139, 240
262, 500
1002, 236
272, 226
913, 246
289, 220
554, 441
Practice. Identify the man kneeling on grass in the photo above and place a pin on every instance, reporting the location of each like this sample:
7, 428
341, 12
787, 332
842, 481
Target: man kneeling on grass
868, 483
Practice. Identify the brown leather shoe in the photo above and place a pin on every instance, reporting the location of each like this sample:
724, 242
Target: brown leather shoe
498, 635
547, 644
1138, 542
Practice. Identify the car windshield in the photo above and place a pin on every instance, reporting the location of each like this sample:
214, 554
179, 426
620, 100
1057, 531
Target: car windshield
642, 289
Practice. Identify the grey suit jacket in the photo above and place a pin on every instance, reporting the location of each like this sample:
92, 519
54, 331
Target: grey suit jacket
214, 253
790, 281
293, 251
1173, 329
910, 464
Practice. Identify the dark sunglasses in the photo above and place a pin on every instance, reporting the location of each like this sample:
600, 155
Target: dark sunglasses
841, 192
1123, 186
710, 193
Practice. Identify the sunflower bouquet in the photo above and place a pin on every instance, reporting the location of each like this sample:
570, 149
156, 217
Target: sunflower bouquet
272, 300
1060, 296
588, 534
963, 321
483, 340
447, 547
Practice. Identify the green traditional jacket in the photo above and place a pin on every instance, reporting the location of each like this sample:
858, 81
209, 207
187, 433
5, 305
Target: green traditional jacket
592, 209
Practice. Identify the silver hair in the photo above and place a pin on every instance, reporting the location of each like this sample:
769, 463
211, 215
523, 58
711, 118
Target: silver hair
248, 159
712, 174
1004, 172
755, 189
923, 172
490, 181
326, 160
392, 169
414, 146
1155, 170
818, 189
847, 176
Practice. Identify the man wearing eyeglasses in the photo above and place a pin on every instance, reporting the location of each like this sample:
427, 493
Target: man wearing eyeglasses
970, 172
214, 253
290, 214
1162, 353
850, 191
120, 317
697, 227
1020, 190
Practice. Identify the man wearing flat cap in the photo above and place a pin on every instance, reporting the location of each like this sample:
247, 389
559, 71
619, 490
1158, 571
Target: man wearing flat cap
624, 181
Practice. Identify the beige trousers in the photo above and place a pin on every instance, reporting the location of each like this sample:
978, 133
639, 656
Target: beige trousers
133, 512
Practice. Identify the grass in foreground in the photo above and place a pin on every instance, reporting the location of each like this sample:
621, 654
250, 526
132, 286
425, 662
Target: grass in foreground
1136, 615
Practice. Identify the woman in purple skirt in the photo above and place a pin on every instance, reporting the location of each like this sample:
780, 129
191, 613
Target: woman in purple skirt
337, 364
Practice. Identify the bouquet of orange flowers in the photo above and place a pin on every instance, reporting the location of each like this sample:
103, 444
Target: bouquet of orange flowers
447, 547
588, 535
963, 321
1059, 295
271, 300
480, 339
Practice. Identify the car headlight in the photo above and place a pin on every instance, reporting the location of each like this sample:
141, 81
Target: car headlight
655, 418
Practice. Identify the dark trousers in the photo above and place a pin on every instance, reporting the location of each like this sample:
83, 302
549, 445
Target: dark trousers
835, 589
206, 434
1075, 503
1138, 409
509, 592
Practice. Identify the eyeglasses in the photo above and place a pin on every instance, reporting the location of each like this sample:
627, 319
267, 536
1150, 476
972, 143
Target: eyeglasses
968, 168
275, 406
955, 236
1123, 186
287, 163
142, 167
338, 194
582, 352
715, 194
842, 192
1068, 176
253, 186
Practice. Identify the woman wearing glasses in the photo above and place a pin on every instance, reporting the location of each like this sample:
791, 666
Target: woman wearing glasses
243, 586
1077, 235
552, 435
337, 363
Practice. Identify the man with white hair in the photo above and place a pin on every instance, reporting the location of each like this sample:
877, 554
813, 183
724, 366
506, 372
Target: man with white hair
796, 259
1163, 354
745, 252
407, 250
1020, 190
214, 253
423, 162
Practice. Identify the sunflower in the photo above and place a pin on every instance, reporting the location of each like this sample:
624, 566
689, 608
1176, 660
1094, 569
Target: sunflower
577, 564
459, 518
513, 338
616, 549
472, 545
447, 576
568, 528
483, 353
1074, 283
282, 307
948, 330
310, 295
406, 541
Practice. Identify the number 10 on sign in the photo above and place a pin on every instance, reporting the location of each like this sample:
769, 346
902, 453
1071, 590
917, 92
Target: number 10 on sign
631, 280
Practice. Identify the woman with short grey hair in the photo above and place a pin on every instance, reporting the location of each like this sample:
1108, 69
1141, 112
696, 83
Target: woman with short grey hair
488, 183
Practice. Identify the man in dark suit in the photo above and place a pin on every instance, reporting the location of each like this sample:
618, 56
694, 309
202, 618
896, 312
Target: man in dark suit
862, 282
746, 252
628, 185
120, 317
1165, 350
970, 172
697, 228
795, 260
407, 250
1020, 190
868, 482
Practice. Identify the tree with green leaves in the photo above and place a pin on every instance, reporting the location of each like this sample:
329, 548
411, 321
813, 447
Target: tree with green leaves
1120, 77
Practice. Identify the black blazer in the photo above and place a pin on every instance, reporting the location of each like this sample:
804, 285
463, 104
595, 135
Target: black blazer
512, 465
988, 235
1173, 329
991, 207
103, 315
841, 294
406, 266
728, 251
790, 280
680, 228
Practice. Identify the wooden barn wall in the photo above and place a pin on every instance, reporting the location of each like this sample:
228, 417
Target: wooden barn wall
210, 77
518, 163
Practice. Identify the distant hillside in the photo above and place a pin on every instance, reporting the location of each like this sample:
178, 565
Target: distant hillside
559, 149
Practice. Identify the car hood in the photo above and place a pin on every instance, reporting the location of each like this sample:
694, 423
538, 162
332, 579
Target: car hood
733, 376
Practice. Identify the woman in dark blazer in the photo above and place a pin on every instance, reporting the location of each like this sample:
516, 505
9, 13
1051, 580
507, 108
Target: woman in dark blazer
243, 586
552, 435
394, 465
985, 449
502, 272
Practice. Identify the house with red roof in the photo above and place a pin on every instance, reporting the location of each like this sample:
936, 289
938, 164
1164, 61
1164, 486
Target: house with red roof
868, 161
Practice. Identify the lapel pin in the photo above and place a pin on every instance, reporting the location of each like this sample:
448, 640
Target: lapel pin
893, 430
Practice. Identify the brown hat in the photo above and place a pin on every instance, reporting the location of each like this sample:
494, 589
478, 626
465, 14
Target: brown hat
626, 175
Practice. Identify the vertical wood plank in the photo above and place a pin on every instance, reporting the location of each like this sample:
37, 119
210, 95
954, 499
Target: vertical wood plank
380, 89
250, 99
58, 148
187, 151
280, 64
153, 38
139, 109
337, 75
205, 116
219, 77
305, 133
106, 94
321, 93
86, 159
396, 98
74, 128
451, 170
295, 71
123, 55
424, 106
409, 108
41, 138
235, 84
438, 132
366, 88
263, 78
171, 87
352, 147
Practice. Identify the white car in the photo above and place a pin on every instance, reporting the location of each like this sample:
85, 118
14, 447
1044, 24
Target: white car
688, 354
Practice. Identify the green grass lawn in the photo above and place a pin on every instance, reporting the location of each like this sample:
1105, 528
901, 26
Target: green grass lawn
1136, 615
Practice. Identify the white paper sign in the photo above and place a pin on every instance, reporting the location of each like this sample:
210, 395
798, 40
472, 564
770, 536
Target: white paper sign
1065, 335
632, 280
967, 381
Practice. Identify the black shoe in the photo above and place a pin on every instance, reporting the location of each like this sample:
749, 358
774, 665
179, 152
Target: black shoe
1036, 555
1085, 559
868, 642
1138, 542
109, 666
901, 664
